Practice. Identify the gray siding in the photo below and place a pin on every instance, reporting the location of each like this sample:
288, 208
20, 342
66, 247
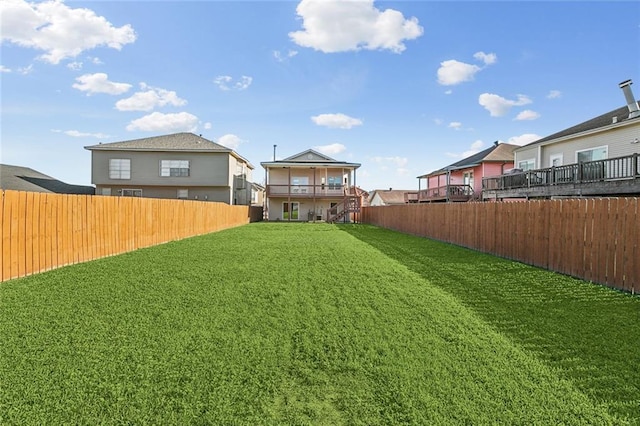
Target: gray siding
206, 169
617, 139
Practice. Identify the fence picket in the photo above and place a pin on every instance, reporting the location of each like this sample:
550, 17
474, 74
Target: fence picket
594, 239
41, 231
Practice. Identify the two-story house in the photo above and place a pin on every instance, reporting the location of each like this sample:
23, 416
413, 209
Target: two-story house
180, 165
461, 181
597, 157
311, 186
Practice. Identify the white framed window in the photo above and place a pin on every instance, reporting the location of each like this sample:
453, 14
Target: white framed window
105, 191
174, 168
467, 178
183, 193
528, 164
555, 160
335, 182
119, 168
132, 192
592, 154
254, 196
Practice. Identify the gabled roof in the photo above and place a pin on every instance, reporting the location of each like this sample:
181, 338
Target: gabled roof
605, 120
184, 142
502, 152
19, 178
309, 158
389, 196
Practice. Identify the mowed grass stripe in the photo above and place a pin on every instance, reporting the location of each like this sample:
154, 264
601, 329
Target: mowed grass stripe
266, 324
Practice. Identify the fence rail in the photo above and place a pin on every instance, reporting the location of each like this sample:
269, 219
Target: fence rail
40, 231
594, 239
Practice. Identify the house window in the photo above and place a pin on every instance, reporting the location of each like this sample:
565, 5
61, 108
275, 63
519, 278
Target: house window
529, 164
334, 182
555, 160
468, 179
132, 192
119, 168
299, 184
592, 154
105, 191
254, 196
174, 168
183, 193
290, 211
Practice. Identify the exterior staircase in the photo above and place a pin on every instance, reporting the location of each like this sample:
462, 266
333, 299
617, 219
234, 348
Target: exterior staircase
349, 209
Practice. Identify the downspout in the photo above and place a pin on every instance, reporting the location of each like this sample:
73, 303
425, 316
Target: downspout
448, 183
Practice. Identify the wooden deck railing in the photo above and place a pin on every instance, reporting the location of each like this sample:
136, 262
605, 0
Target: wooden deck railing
627, 167
447, 193
297, 191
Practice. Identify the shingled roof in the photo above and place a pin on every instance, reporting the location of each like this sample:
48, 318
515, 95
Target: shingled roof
184, 142
174, 142
496, 153
607, 119
18, 178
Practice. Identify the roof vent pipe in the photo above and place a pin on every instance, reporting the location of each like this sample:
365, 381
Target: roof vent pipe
632, 104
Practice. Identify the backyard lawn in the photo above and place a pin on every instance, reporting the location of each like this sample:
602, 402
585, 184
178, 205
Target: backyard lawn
276, 323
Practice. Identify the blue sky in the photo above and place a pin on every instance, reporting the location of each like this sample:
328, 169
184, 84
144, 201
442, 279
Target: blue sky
402, 87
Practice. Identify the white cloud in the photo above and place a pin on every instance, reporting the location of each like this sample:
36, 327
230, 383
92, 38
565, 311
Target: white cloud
453, 72
527, 114
332, 149
473, 149
487, 58
94, 60
26, 70
524, 139
58, 30
399, 162
339, 121
230, 141
499, 106
150, 98
99, 83
438, 121
75, 66
4, 69
281, 57
455, 125
226, 82
159, 122
78, 134
554, 94
207, 126
339, 26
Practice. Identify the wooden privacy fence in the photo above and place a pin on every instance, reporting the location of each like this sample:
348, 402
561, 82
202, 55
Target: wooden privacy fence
594, 239
40, 231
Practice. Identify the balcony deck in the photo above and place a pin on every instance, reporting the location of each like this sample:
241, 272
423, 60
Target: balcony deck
614, 176
454, 193
305, 191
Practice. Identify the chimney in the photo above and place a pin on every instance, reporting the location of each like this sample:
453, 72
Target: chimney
632, 104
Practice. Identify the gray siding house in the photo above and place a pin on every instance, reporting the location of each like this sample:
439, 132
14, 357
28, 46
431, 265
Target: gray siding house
599, 156
180, 166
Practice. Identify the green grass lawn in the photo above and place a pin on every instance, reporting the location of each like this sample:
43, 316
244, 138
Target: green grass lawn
275, 323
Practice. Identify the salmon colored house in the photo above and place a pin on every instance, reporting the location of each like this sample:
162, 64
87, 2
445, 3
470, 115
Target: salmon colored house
462, 180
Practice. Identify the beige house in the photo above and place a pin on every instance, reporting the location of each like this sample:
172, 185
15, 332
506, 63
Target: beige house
311, 186
388, 197
181, 165
600, 156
